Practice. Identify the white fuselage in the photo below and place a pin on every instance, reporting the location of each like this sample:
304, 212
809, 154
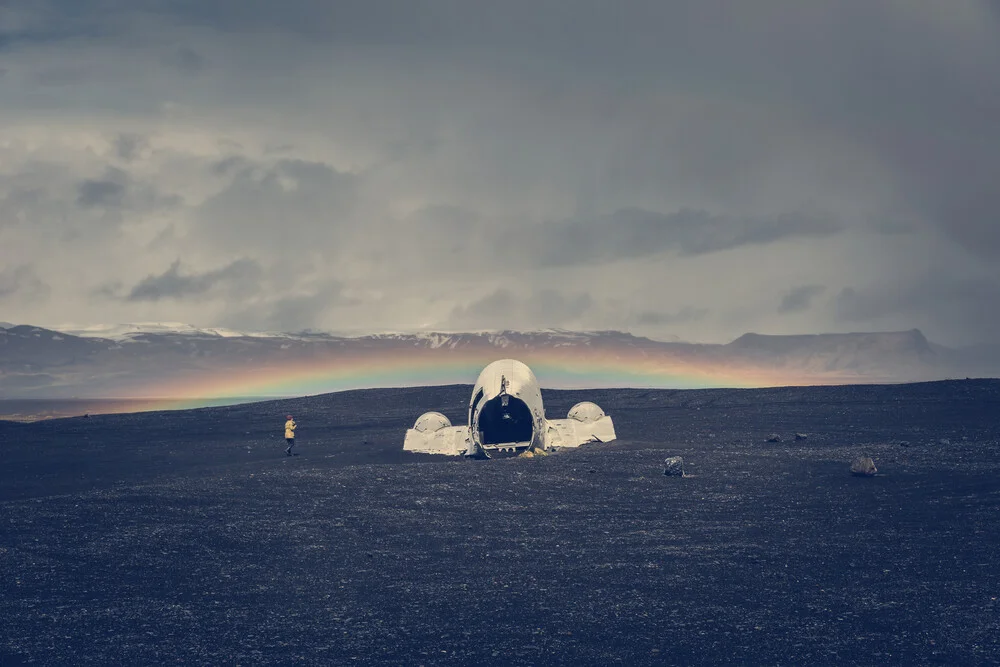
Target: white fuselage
506, 416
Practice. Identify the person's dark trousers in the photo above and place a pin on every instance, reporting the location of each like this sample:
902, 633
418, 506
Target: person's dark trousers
291, 443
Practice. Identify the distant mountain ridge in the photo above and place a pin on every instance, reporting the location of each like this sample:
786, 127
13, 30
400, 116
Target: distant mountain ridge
862, 352
119, 360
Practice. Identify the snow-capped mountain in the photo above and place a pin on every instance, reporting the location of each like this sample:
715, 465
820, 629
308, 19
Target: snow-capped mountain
122, 332
140, 359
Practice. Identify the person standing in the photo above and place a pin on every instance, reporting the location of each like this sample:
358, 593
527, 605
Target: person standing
289, 434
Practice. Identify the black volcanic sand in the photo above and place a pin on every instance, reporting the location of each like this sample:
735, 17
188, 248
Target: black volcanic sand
188, 537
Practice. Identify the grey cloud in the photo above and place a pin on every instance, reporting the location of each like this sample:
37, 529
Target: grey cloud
685, 314
885, 76
22, 282
502, 309
109, 290
291, 312
60, 76
231, 164
129, 145
634, 232
186, 60
800, 298
298, 313
172, 284
462, 238
947, 309
281, 209
633, 129
52, 197
39, 21
19, 202
854, 306
109, 194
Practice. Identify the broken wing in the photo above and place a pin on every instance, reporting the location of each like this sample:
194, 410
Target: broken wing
450, 440
573, 433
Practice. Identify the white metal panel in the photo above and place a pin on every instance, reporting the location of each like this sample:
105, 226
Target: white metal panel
451, 441
560, 433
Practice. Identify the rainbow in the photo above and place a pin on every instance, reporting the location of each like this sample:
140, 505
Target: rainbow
555, 368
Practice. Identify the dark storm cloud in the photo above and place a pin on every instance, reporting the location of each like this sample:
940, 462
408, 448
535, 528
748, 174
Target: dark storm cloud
913, 82
635, 232
800, 298
242, 274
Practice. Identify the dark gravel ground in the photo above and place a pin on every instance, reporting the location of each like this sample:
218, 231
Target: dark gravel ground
188, 537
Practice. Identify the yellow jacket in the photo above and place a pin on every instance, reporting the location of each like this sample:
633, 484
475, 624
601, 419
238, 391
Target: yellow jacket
290, 428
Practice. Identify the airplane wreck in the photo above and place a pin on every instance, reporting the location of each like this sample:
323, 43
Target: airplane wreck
507, 418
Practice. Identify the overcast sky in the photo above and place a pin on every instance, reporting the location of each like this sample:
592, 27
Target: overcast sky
675, 169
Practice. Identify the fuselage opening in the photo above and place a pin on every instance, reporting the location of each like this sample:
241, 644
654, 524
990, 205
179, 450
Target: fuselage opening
505, 419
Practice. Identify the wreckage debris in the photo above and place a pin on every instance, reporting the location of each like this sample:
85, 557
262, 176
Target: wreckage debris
863, 466
801, 436
774, 437
673, 467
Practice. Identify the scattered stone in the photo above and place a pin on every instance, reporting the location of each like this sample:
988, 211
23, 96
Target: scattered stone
863, 466
801, 436
526, 454
673, 467
904, 443
944, 441
774, 437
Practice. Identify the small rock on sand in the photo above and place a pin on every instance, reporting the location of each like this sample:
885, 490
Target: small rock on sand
673, 467
863, 466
